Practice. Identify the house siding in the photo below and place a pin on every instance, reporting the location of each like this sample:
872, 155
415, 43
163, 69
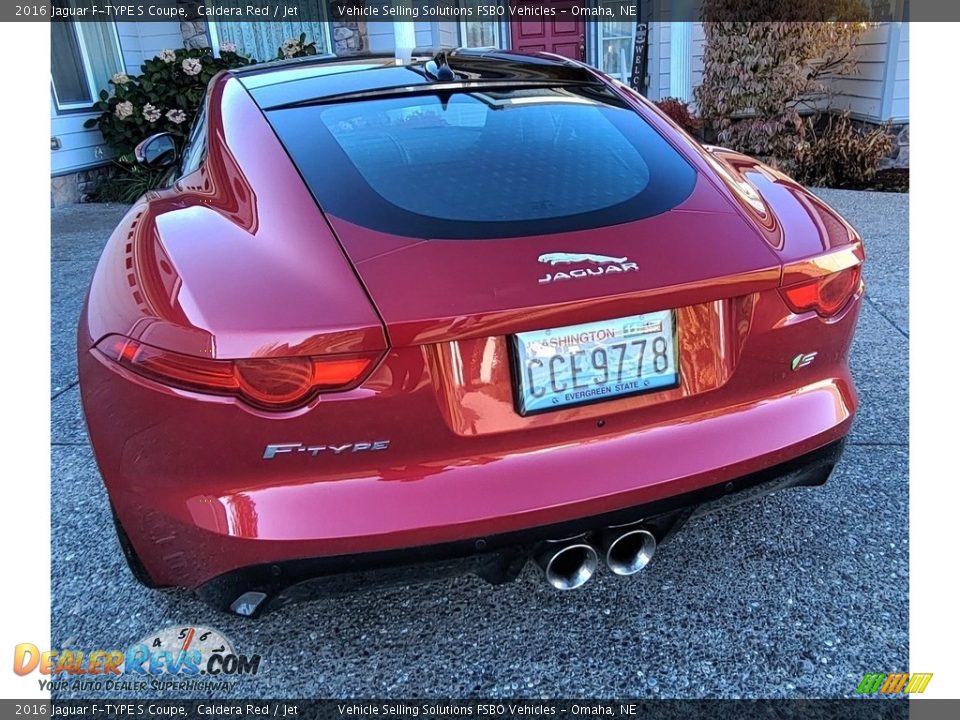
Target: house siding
79, 147
142, 41
862, 93
661, 47
380, 36
431, 34
900, 104
696, 63
424, 32
662, 83
447, 34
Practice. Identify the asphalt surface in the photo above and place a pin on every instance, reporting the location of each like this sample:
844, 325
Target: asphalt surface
795, 595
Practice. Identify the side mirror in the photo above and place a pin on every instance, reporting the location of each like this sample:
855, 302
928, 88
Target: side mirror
157, 151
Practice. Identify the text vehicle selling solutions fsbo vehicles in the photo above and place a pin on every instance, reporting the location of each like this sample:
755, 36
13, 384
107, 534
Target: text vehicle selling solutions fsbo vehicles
387, 323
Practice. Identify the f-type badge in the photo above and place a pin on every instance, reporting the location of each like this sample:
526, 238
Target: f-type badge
274, 449
602, 265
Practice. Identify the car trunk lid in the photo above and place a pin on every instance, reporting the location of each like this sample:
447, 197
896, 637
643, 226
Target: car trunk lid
432, 290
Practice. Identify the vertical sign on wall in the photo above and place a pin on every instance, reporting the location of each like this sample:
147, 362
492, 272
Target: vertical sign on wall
638, 74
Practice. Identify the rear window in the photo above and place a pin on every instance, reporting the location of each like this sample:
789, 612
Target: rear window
481, 164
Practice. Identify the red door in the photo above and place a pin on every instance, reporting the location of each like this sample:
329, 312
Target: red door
563, 33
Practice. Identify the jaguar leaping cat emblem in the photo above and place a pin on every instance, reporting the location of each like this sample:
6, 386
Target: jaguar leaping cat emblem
606, 265
560, 258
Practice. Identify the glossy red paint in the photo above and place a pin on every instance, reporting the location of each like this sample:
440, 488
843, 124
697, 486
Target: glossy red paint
230, 263
237, 261
473, 290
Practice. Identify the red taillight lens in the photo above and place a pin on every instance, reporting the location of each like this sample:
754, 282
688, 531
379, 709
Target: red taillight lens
826, 294
270, 383
275, 381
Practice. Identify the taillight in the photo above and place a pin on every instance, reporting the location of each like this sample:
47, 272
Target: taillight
826, 294
269, 383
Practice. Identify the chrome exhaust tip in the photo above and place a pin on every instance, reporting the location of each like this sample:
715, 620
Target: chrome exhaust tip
567, 566
628, 553
248, 604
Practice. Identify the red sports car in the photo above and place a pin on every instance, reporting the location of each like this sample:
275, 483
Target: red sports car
392, 322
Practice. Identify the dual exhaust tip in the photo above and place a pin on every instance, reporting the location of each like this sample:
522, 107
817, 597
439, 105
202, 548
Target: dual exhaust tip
569, 564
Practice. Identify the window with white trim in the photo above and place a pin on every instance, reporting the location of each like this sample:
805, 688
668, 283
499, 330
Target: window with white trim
481, 33
83, 57
615, 44
262, 40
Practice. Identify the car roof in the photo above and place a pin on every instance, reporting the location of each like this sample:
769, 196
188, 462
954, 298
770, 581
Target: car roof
286, 83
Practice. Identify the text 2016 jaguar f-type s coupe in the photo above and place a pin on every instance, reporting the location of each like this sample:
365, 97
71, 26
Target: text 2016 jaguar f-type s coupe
393, 322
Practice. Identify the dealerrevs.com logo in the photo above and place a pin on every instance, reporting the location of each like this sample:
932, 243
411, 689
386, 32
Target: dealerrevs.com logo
175, 658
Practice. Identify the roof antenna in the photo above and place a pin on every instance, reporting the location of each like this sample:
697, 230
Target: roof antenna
438, 68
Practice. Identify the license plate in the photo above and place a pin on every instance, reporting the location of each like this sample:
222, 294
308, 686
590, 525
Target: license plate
580, 364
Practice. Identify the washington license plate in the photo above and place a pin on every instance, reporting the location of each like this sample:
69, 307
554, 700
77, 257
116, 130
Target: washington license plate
580, 364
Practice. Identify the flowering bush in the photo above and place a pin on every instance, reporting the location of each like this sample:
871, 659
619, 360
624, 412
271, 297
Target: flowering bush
164, 98
191, 66
296, 47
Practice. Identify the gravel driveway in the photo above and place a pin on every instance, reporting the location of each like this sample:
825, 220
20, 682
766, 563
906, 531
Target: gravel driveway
798, 594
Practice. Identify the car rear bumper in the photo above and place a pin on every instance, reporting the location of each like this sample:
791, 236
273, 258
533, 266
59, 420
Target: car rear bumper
192, 488
186, 534
496, 558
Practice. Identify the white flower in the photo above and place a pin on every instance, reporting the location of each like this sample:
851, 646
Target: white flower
176, 116
151, 113
290, 47
228, 47
120, 78
191, 66
168, 56
124, 110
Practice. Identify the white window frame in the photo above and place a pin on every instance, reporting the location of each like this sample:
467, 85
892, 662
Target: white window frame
215, 38
92, 84
597, 42
498, 40
327, 38
498, 22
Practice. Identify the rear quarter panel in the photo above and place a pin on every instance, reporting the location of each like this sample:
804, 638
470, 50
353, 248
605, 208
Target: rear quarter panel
796, 224
235, 260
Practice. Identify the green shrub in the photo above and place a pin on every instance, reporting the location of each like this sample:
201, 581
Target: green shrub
679, 111
164, 98
128, 184
296, 47
840, 155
